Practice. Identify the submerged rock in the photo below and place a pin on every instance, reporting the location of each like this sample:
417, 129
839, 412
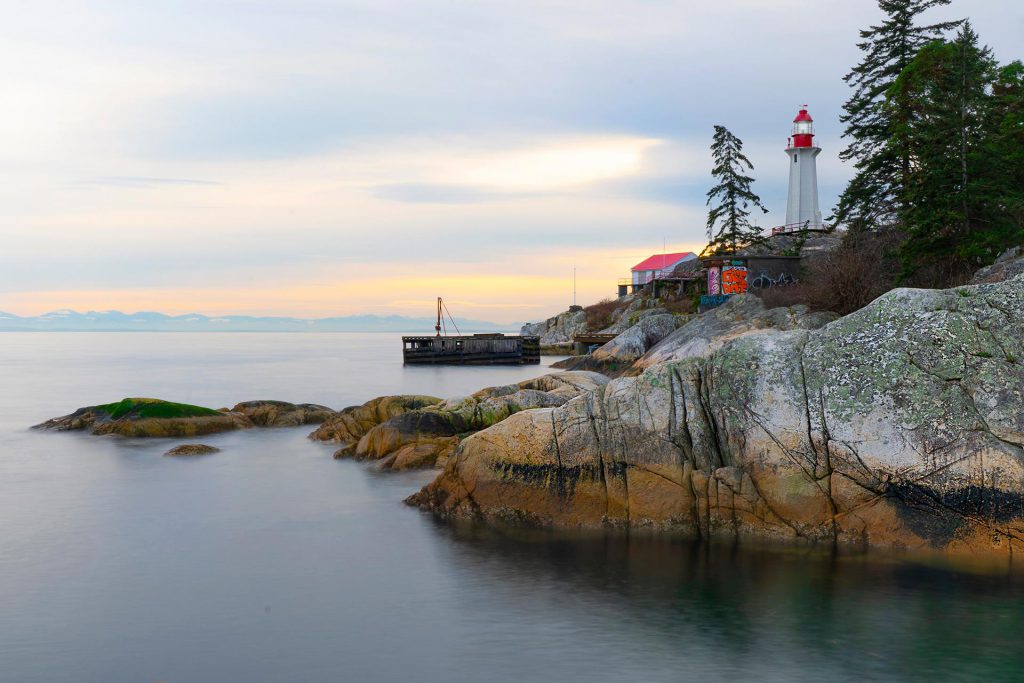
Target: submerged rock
192, 449
900, 426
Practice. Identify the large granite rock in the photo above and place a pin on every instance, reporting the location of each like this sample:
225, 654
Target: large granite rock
899, 426
1008, 265
617, 356
742, 314
283, 414
348, 426
426, 437
638, 339
559, 330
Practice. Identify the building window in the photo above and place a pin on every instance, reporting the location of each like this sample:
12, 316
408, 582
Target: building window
794, 158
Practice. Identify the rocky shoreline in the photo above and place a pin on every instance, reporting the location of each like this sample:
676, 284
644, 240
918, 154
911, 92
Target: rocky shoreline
900, 426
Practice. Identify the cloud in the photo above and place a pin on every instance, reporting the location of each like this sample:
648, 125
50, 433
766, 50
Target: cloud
426, 193
141, 181
478, 150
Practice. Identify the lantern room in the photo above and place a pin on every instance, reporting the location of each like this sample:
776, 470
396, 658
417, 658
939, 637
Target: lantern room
803, 129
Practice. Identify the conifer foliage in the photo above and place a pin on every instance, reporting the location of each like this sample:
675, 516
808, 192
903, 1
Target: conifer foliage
729, 226
937, 137
871, 200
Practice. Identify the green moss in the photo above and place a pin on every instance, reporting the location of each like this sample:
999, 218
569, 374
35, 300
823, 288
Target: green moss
153, 408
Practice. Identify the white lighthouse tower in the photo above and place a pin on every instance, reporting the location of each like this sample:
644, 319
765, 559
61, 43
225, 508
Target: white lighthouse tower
802, 208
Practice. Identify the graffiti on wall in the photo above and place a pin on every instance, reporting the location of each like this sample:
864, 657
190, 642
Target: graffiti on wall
766, 281
714, 280
734, 280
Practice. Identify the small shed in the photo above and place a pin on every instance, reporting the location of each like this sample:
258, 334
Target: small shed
658, 266
730, 274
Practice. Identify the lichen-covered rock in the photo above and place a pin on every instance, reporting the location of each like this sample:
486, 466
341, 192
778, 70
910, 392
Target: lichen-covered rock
617, 356
638, 339
899, 426
558, 330
348, 426
283, 414
742, 314
192, 449
426, 437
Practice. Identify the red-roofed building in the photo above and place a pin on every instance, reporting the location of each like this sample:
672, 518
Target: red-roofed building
658, 266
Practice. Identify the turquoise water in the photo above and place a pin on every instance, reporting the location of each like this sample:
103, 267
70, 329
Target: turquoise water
270, 561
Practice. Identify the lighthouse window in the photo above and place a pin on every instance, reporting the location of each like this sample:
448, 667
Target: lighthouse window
794, 158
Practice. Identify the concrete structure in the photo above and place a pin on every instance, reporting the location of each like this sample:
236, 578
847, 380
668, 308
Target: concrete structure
730, 274
802, 209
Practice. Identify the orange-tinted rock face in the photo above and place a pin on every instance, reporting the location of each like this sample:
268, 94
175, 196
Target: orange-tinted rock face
427, 436
900, 426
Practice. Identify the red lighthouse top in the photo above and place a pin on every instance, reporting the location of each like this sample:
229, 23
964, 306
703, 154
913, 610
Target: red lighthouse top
803, 129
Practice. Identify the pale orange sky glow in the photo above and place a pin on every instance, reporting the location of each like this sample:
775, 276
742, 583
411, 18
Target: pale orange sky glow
322, 158
481, 296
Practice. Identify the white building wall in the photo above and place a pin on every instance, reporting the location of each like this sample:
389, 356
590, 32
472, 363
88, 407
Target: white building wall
802, 206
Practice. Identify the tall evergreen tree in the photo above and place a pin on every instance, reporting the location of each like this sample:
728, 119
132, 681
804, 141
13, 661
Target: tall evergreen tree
882, 163
728, 226
948, 209
1005, 145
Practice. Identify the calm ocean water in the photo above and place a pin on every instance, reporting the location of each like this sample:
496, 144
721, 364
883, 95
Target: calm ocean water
270, 561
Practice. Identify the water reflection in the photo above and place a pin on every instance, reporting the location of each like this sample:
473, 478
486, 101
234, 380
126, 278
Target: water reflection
777, 613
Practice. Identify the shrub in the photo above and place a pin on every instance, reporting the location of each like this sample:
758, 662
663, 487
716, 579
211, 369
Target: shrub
845, 279
599, 315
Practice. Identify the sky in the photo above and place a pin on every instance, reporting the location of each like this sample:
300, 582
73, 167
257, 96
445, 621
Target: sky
329, 157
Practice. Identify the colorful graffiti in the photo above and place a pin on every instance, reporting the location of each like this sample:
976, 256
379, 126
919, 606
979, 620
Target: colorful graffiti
714, 280
734, 280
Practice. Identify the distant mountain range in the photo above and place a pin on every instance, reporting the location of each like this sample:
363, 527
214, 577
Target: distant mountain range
111, 321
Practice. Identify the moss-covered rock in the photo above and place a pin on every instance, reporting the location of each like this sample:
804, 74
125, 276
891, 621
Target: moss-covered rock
152, 417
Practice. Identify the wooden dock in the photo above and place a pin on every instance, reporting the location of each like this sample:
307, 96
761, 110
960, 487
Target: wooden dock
585, 343
476, 349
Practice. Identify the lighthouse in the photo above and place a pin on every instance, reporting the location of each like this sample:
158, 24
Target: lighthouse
802, 208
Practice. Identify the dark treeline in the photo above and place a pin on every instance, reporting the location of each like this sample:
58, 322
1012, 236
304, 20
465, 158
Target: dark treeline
936, 133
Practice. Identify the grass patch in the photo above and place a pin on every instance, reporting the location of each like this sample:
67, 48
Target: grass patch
153, 407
